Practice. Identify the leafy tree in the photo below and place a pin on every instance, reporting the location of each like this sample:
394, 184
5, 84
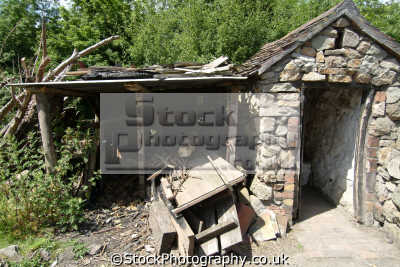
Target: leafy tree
20, 28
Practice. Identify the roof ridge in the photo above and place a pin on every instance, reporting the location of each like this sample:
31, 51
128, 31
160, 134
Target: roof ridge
272, 52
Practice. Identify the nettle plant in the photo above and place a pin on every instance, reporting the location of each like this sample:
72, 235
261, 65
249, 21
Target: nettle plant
30, 199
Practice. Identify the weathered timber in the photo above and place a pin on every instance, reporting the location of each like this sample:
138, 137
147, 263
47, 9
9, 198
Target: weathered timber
194, 190
162, 227
215, 231
44, 115
186, 237
211, 246
226, 212
216, 63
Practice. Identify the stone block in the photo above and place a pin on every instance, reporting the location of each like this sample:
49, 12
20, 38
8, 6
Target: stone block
341, 23
383, 173
340, 79
308, 51
363, 47
363, 78
335, 52
385, 77
278, 111
261, 190
354, 63
380, 97
376, 51
390, 211
379, 109
290, 75
392, 64
352, 54
335, 62
280, 87
330, 32
281, 130
322, 42
267, 124
313, 77
370, 65
350, 38
393, 111
335, 71
289, 103
287, 159
320, 58
381, 126
393, 95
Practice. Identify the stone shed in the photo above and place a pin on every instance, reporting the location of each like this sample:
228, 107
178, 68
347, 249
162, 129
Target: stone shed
327, 113
330, 117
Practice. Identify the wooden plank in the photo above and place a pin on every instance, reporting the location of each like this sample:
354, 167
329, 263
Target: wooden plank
163, 230
204, 182
215, 231
211, 246
186, 237
216, 63
226, 212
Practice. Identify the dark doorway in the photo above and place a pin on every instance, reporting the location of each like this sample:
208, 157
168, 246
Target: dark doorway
330, 124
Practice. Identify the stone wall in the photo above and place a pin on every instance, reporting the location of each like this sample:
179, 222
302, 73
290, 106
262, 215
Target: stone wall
339, 55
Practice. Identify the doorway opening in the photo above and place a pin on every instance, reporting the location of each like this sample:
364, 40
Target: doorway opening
330, 124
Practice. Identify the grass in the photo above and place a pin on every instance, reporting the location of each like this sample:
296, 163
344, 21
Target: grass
32, 243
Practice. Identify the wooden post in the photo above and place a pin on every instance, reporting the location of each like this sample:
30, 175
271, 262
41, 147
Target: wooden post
43, 108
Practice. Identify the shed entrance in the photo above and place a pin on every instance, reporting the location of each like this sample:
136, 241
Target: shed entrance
331, 118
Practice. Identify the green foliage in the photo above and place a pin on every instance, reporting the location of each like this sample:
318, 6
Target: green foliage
20, 29
166, 31
30, 199
80, 250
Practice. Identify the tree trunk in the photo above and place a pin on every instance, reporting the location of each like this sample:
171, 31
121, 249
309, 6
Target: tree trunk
44, 115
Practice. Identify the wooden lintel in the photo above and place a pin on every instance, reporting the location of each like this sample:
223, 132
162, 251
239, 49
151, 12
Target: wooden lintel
135, 87
56, 91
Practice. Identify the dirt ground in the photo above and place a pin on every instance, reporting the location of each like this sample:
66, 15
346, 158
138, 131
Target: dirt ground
323, 236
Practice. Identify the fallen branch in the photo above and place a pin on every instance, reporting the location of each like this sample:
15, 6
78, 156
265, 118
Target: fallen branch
75, 56
20, 115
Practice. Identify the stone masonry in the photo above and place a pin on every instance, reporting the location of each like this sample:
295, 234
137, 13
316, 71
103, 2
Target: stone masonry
343, 56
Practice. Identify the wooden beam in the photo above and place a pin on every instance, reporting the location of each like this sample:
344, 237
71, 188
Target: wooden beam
211, 246
215, 231
186, 237
162, 228
56, 91
226, 212
43, 108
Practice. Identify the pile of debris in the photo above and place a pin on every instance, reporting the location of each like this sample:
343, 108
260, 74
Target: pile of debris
219, 66
207, 210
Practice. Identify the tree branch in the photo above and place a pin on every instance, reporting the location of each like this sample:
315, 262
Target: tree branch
75, 56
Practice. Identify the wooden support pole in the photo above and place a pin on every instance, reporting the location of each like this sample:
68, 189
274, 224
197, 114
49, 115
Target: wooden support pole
43, 108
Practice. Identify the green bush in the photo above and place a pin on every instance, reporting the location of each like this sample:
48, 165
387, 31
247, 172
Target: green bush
30, 199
